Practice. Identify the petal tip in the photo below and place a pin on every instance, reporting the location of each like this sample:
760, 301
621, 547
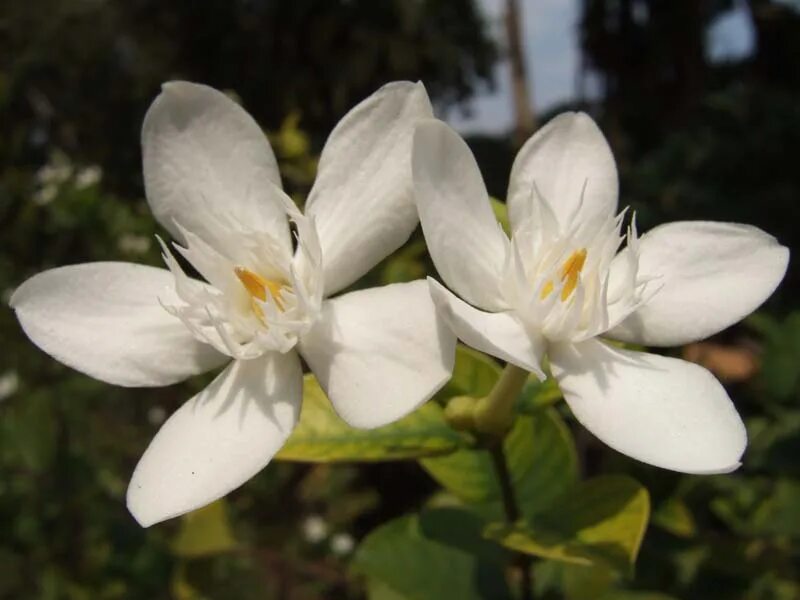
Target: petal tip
138, 507
13, 301
180, 87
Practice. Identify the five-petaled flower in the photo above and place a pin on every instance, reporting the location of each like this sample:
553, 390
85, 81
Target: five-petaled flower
559, 283
212, 180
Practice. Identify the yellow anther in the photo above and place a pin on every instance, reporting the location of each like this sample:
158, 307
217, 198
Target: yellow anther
569, 273
257, 287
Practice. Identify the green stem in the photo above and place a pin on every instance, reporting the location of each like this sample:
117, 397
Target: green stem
494, 414
523, 562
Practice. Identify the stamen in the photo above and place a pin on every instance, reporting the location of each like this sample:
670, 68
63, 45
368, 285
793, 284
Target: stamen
547, 289
569, 273
257, 287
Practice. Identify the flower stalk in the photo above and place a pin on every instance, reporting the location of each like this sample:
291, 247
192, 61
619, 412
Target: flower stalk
511, 508
494, 414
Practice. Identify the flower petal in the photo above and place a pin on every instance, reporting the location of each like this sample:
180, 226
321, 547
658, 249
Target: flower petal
464, 239
104, 319
711, 275
219, 439
207, 162
662, 411
362, 197
380, 353
571, 165
499, 334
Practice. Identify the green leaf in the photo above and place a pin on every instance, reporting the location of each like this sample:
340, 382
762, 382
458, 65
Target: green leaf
635, 595
406, 264
205, 532
474, 374
779, 375
29, 428
600, 521
779, 514
321, 436
541, 460
438, 554
582, 582
377, 590
538, 394
596, 582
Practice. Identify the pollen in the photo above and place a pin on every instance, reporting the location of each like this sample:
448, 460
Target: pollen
257, 286
569, 273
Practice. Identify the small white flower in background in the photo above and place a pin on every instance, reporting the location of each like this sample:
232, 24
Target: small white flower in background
559, 283
9, 384
57, 171
51, 177
212, 180
131, 243
156, 415
315, 529
88, 177
342, 544
45, 195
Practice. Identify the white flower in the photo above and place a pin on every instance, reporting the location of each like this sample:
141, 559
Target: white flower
560, 282
212, 180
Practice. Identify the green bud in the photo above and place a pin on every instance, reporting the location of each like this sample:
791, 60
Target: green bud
459, 413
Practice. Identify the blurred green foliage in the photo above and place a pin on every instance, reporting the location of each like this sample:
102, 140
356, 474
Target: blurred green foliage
693, 139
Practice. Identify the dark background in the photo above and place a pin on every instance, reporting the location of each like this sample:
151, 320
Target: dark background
694, 139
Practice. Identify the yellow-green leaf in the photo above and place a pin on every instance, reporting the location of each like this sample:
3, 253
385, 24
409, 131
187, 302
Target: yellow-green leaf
180, 587
541, 459
205, 532
674, 516
474, 374
600, 521
321, 436
501, 214
582, 582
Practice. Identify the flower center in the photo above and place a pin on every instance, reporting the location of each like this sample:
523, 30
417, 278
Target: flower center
569, 273
257, 286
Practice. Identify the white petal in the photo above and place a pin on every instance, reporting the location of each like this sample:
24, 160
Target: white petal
659, 410
104, 319
711, 275
380, 353
207, 162
362, 197
464, 239
219, 439
570, 164
499, 334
